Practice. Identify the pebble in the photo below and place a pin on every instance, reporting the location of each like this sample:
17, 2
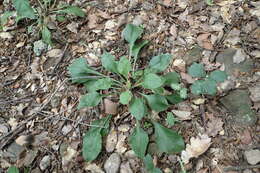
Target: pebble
93, 168
252, 156
38, 47
66, 129
255, 92
5, 35
121, 145
111, 141
3, 128
112, 164
45, 162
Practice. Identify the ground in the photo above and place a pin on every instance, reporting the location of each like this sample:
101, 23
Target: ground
41, 129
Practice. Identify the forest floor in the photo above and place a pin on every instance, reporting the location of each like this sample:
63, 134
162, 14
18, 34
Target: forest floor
41, 129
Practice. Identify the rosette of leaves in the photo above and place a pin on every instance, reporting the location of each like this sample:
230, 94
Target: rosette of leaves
41, 15
142, 91
206, 84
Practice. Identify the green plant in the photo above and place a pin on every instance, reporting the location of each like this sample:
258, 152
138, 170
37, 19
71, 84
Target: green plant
142, 91
207, 84
13, 169
40, 14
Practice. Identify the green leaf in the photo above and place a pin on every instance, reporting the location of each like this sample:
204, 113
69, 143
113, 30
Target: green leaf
167, 140
13, 169
210, 87
124, 66
157, 102
139, 141
170, 120
131, 33
171, 77
196, 70
79, 70
159, 91
46, 35
152, 81
103, 122
125, 97
184, 93
103, 84
160, 63
209, 2
108, 62
137, 108
74, 10
89, 100
176, 86
137, 47
92, 145
218, 76
24, 9
4, 17
197, 87
148, 161
207, 86
174, 98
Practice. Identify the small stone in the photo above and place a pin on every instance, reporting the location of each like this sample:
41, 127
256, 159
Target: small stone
111, 141
138, 20
66, 129
199, 101
121, 145
227, 85
247, 171
252, 156
255, 92
124, 128
73, 27
112, 163
5, 35
45, 162
167, 170
239, 56
38, 47
3, 128
130, 154
110, 107
110, 24
125, 168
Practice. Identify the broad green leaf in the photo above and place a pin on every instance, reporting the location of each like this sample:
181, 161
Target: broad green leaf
218, 76
174, 98
131, 33
157, 102
125, 97
24, 9
160, 63
176, 86
92, 144
210, 87
197, 70
46, 35
207, 86
89, 100
138, 108
148, 161
74, 10
137, 47
184, 93
171, 77
103, 84
103, 122
170, 120
90, 85
13, 169
197, 87
124, 66
79, 71
4, 17
61, 18
108, 62
139, 141
209, 2
152, 81
167, 140
159, 91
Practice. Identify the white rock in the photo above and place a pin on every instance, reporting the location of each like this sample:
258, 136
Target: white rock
111, 141
112, 164
255, 93
110, 24
252, 156
5, 35
66, 129
45, 162
121, 145
239, 56
3, 128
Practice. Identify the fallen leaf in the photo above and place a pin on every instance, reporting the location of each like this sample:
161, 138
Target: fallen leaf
13, 123
197, 146
110, 107
182, 115
73, 27
204, 41
54, 53
214, 126
92, 21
